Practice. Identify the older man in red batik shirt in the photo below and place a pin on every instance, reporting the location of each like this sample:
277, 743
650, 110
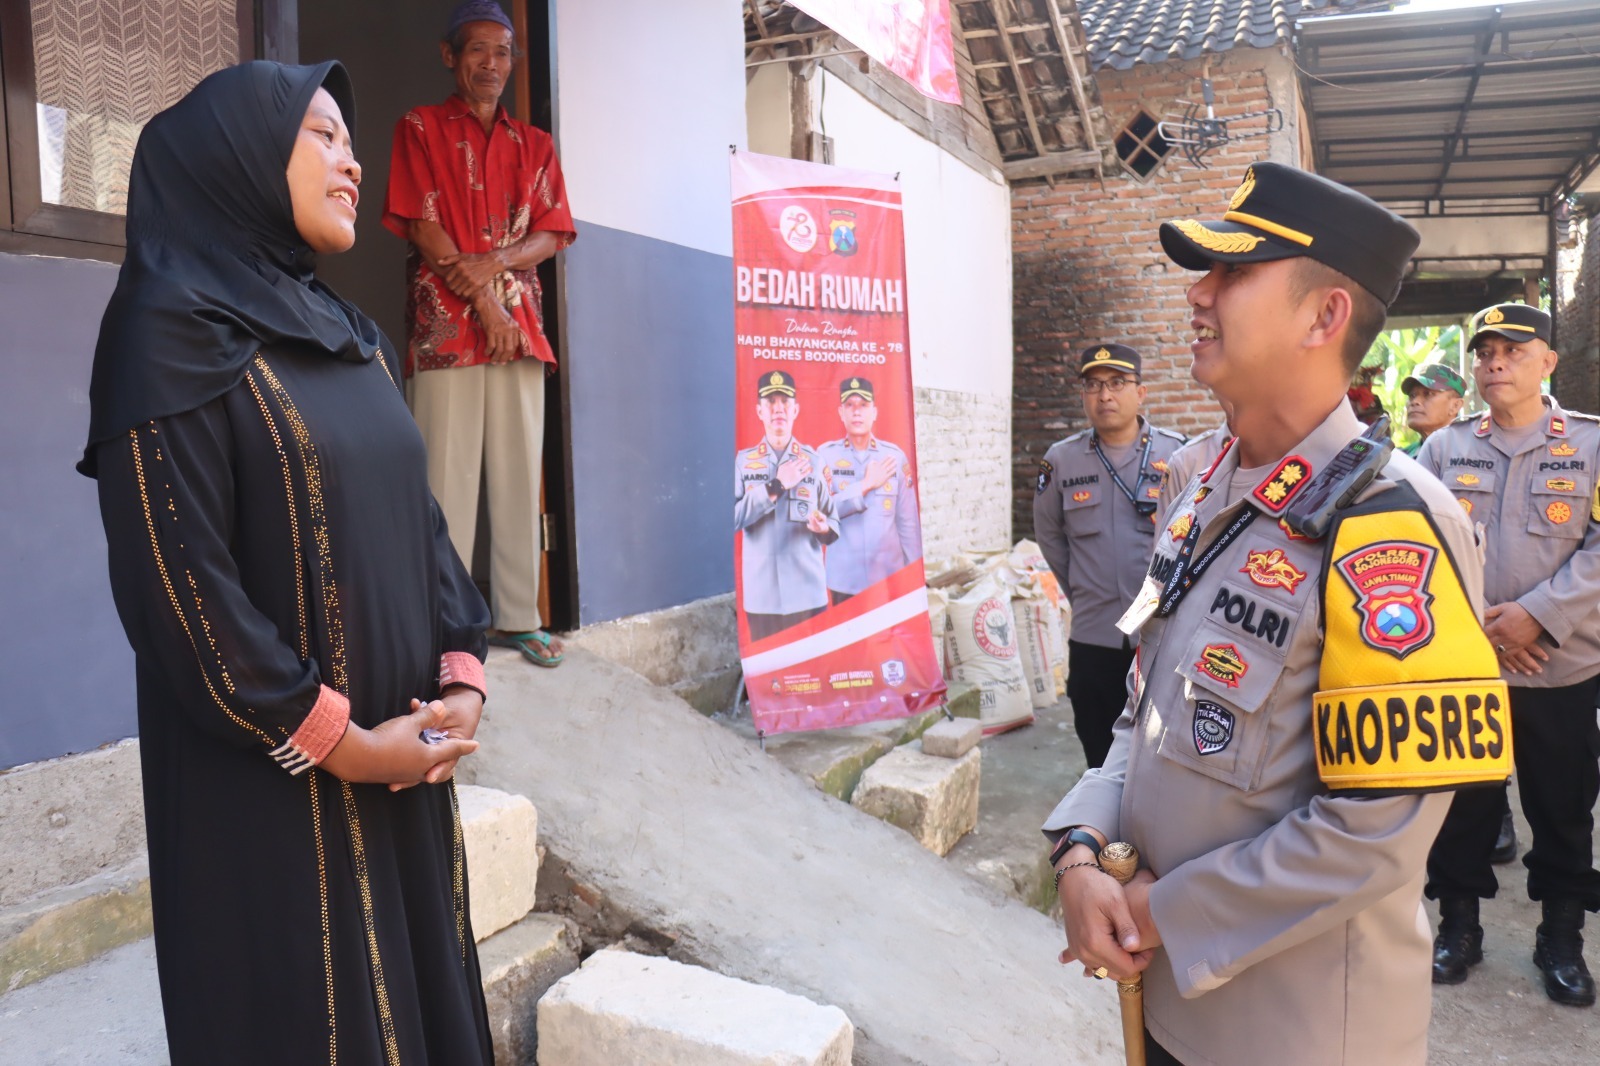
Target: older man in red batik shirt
481, 200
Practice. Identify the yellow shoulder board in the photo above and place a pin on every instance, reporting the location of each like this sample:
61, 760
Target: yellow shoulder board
1410, 693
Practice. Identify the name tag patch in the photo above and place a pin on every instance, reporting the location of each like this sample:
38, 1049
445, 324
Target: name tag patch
1414, 737
1213, 727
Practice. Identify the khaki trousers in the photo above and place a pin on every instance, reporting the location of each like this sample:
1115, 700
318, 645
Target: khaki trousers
489, 419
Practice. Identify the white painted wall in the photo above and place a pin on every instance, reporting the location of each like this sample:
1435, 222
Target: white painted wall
648, 99
958, 245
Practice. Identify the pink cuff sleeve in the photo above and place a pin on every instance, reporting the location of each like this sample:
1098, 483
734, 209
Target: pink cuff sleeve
462, 668
318, 734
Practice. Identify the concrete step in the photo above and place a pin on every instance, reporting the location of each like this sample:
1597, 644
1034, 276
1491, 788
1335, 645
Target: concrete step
627, 1008
108, 1012
70, 925
685, 832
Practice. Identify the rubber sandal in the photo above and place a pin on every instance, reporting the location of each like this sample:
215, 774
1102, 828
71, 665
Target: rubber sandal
535, 647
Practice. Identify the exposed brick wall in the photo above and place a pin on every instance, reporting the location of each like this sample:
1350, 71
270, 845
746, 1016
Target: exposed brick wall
1576, 305
964, 462
1088, 266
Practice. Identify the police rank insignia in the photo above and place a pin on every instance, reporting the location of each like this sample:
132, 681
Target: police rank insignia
1274, 492
1213, 727
1559, 512
1222, 662
1390, 580
1272, 570
1044, 477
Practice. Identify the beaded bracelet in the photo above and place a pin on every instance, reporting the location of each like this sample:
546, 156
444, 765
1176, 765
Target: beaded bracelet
1070, 866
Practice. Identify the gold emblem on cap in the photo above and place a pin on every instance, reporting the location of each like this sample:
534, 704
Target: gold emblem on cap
1494, 317
1101, 354
775, 379
1242, 193
1212, 241
855, 383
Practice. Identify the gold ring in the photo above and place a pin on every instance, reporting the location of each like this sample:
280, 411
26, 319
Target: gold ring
1101, 973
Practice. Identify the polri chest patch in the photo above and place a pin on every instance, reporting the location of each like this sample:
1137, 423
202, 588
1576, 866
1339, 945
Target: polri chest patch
1213, 727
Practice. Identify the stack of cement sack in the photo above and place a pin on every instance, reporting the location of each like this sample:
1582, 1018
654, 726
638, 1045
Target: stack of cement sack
1004, 626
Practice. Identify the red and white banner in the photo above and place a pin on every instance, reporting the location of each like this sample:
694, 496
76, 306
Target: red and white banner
833, 614
910, 37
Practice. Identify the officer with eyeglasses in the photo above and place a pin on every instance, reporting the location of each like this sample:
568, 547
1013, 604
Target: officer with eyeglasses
1094, 518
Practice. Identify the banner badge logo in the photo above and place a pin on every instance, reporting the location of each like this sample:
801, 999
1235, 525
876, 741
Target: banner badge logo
842, 233
797, 228
894, 672
1390, 580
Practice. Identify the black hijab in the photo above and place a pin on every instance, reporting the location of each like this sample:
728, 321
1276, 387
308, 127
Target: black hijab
215, 268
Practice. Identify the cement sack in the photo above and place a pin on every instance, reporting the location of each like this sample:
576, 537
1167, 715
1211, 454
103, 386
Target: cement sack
1033, 614
982, 650
938, 608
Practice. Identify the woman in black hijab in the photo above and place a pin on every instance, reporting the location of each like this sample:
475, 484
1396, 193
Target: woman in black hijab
297, 613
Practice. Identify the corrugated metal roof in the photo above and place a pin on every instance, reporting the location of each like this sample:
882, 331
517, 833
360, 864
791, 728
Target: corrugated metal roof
1478, 103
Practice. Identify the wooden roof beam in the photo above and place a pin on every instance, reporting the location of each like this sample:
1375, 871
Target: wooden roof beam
1016, 74
1079, 96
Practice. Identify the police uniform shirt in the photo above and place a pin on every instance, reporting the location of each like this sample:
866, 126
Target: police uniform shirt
1097, 545
1188, 463
782, 568
1535, 500
879, 531
1290, 915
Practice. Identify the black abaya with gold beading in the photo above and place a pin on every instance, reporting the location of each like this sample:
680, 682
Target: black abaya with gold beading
273, 547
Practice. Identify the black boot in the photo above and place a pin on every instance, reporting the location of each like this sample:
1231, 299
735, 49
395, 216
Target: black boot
1459, 944
1505, 845
1558, 952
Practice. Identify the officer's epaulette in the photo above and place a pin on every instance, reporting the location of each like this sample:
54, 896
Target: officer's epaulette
1080, 435
1172, 433
1581, 415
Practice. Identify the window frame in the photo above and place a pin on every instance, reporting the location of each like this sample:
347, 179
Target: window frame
27, 223
1142, 144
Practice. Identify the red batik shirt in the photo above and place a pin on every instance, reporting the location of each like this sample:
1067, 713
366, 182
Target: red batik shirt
488, 191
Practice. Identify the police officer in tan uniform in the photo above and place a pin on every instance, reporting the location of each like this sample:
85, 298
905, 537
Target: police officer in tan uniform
1094, 518
1525, 474
782, 506
1188, 462
1309, 675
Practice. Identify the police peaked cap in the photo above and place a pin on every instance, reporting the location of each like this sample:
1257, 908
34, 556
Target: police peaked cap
774, 383
855, 387
1281, 212
1515, 322
1114, 356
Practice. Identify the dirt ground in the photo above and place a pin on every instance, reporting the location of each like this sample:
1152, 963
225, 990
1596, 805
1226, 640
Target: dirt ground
1500, 1015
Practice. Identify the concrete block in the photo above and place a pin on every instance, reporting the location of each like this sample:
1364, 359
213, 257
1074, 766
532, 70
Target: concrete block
964, 700
933, 799
519, 964
67, 820
501, 834
952, 739
626, 1008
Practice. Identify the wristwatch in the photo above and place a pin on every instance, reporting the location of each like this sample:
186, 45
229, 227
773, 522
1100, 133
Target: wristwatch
1075, 835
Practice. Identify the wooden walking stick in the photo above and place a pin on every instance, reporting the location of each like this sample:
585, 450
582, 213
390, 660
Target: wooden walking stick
1121, 860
